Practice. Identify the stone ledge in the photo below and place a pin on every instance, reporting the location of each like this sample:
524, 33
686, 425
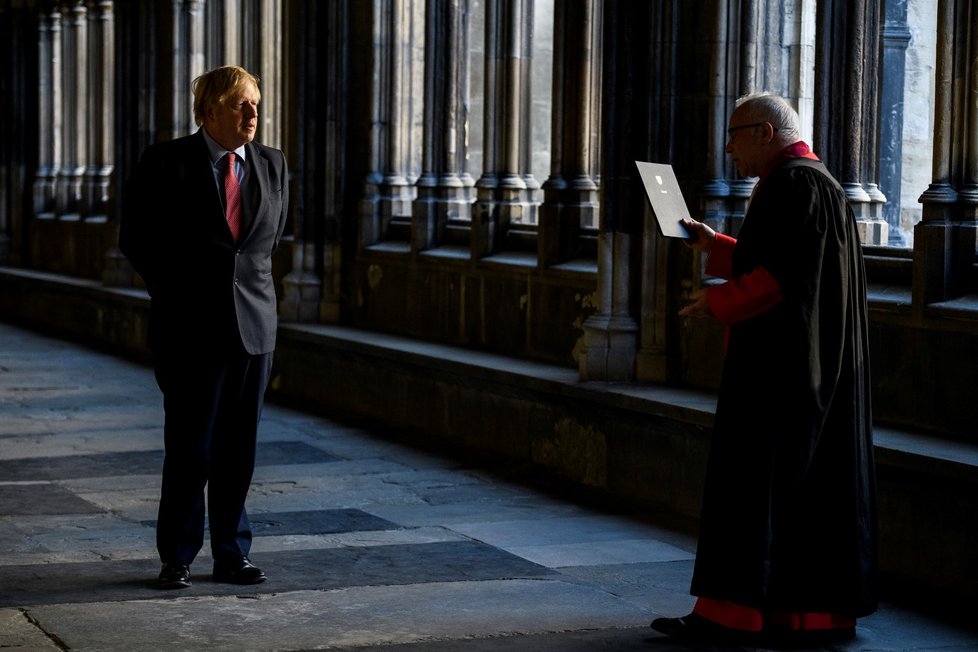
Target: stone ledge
911, 451
926, 454
689, 405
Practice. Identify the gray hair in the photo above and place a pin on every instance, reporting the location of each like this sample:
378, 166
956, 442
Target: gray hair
768, 107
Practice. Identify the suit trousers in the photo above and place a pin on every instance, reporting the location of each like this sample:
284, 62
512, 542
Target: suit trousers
212, 403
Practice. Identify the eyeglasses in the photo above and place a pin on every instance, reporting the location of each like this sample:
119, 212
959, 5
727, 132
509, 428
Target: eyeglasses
731, 130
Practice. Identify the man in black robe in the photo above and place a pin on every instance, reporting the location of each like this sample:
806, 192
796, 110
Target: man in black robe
787, 541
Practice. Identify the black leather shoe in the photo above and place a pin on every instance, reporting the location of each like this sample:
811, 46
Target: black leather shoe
240, 571
174, 576
696, 628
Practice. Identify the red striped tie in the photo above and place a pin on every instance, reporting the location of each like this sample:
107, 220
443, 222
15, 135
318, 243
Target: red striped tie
232, 197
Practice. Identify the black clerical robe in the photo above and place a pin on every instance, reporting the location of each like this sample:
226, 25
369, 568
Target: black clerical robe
789, 509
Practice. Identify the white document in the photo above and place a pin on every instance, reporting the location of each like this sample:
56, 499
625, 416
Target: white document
666, 198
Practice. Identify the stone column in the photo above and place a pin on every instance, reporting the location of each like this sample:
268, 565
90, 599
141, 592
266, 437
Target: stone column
334, 130
803, 70
505, 190
74, 67
445, 188
49, 124
101, 112
846, 78
386, 205
527, 23
187, 62
308, 63
270, 47
967, 108
571, 203
611, 334
195, 35
135, 111
102, 100
227, 19
740, 188
944, 239
20, 30
896, 37
716, 191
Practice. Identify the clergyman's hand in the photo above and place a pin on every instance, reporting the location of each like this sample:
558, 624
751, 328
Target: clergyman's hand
699, 308
700, 235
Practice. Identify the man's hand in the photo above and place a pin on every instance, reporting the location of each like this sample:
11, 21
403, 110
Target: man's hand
700, 235
699, 308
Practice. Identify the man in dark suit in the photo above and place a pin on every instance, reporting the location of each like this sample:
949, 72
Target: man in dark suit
201, 217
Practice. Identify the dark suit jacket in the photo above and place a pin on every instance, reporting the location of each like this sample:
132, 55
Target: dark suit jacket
206, 289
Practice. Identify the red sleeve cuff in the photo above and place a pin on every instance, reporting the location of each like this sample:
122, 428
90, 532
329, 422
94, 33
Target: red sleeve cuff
720, 262
744, 297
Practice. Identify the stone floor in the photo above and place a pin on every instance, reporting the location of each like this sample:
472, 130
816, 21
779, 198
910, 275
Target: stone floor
368, 544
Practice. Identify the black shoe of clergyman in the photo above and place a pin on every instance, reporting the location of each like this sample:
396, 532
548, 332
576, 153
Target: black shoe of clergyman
174, 576
240, 571
693, 627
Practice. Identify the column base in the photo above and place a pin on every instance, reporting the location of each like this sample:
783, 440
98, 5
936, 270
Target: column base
610, 345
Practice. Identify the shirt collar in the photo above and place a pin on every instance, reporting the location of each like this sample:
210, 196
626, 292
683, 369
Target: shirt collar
799, 149
217, 152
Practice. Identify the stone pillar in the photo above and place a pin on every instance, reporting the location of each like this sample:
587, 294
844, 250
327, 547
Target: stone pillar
20, 30
876, 230
527, 24
195, 35
270, 27
74, 67
803, 71
308, 65
50, 110
101, 112
102, 100
172, 121
187, 62
846, 78
386, 205
147, 83
944, 239
896, 38
505, 189
716, 192
445, 188
135, 109
7, 141
227, 38
750, 52
611, 334
571, 203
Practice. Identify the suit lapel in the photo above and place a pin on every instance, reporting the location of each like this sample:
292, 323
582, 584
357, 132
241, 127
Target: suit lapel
257, 189
204, 172
200, 170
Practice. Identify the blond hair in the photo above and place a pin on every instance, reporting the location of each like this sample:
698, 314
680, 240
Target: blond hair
214, 87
